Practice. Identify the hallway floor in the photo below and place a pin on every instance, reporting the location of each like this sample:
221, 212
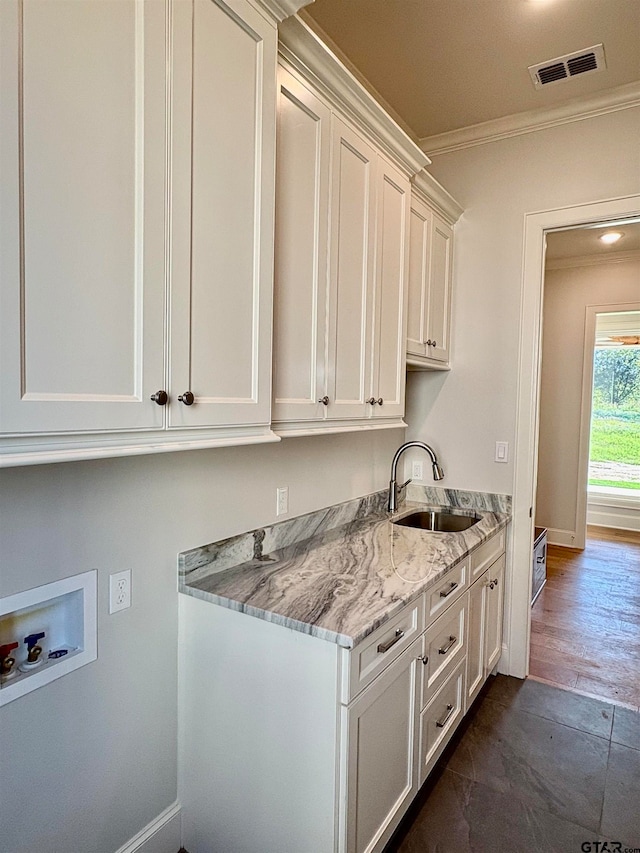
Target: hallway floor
535, 769
585, 625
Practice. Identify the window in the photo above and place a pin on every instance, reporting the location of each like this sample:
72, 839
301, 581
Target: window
614, 455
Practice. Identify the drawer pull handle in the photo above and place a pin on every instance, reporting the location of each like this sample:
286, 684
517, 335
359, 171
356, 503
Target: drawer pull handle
443, 722
424, 659
453, 585
384, 647
452, 641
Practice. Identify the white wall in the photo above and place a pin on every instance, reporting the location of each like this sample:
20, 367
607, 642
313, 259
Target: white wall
90, 759
464, 412
567, 294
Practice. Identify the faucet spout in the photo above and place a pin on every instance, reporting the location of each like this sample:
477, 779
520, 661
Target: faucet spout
438, 473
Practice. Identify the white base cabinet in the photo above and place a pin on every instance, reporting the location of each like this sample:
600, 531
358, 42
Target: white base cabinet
486, 603
290, 743
380, 729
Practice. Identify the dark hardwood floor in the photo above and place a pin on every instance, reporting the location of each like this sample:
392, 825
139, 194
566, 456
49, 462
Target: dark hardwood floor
585, 628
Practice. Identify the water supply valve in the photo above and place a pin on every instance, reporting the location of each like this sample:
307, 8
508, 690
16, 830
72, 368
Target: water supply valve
7, 661
34, 650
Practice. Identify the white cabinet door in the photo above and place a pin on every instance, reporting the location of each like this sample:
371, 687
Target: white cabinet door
494, 608
421, 218
303, 148
381, 727
439, 308
352, 245
222, 213
475, 646
82, 140
392, 220
429, 309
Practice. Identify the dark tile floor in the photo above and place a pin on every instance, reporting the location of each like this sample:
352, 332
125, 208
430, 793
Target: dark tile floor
535, 769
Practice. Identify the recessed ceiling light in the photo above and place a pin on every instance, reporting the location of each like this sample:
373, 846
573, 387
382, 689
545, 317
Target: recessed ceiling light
610, 237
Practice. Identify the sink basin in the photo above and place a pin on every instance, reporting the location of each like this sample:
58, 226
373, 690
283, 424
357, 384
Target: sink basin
438, 521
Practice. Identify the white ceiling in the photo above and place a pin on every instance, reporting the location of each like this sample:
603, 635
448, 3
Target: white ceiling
584, 242
446, 64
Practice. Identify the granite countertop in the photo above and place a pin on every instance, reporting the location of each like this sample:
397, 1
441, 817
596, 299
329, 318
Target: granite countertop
338, 573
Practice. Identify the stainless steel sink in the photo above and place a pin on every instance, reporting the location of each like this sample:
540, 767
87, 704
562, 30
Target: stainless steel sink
438, 521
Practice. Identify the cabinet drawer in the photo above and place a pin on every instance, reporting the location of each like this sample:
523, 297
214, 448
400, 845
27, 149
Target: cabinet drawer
447, 590
445, 644
383, 646
440, 718
486, 554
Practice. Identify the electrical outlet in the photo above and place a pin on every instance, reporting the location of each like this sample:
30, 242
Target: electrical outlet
119, 591
417, 470
282, 500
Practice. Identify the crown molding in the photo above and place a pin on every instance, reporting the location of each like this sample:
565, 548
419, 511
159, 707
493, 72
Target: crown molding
281, 9
620, 98
309, 55
437, 197
592, 260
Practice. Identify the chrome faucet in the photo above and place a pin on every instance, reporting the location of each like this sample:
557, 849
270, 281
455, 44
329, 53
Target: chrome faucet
394, 488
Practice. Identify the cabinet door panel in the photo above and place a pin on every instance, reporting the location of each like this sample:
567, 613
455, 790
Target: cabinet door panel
391, 274
438, 322
83, 126
223, 144
300, 285
419, 253
494, 608
475, 646
352, 244
382, 751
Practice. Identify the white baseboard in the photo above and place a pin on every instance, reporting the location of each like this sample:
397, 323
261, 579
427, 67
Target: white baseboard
612, 516
614, 508
566, 538
162, 835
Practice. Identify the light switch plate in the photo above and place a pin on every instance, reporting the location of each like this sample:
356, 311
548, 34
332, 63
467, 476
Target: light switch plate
502, 451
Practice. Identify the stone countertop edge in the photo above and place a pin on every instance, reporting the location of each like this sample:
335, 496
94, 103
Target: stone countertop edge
339, 583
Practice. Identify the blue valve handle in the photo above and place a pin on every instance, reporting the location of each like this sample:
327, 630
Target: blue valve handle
32, 639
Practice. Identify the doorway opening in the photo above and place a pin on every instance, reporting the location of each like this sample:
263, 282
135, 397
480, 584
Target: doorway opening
585, 624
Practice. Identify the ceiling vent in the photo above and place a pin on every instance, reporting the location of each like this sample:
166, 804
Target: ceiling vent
571, 65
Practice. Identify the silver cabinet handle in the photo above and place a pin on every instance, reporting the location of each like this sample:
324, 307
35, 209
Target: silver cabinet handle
443, 722
452, 586
384, 647
324, 400
444, 649
424, 659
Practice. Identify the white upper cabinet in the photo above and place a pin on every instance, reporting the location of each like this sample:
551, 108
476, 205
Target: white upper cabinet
223, 120
352, 259
82, 124
137, 166
302, 216
341, 261
433, 214
392, 222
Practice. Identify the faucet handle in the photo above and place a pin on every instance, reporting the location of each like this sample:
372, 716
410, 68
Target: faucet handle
404, 485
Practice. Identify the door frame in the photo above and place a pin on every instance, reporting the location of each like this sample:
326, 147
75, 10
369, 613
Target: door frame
518, 599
